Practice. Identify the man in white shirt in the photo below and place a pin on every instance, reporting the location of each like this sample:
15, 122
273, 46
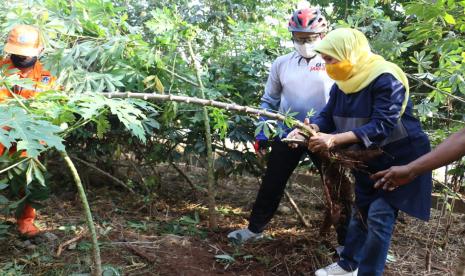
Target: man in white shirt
297, 83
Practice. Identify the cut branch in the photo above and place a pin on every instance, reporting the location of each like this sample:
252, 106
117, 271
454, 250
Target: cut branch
212, 103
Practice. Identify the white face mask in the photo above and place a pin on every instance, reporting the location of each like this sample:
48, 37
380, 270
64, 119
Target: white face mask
306, 50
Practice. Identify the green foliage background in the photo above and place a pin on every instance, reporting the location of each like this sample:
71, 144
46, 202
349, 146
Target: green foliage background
140, 46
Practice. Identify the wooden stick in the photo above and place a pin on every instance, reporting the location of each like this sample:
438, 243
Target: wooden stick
189, 181
297, 210
141, 253
104, 173
62, 246
435, 88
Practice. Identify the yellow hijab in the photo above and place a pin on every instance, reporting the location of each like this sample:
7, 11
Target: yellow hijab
352, 45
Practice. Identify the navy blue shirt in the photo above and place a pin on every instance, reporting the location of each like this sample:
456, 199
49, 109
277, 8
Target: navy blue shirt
374, 115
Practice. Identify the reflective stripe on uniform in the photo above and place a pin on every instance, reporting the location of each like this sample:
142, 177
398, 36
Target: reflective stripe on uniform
344, 124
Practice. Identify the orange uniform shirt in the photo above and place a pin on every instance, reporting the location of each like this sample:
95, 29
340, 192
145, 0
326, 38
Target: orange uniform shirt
42, 78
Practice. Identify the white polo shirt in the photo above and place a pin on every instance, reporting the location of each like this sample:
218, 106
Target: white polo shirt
297, 86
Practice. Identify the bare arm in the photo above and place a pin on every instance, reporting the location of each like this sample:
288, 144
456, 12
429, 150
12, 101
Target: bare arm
448, 151
345, 138
323, 141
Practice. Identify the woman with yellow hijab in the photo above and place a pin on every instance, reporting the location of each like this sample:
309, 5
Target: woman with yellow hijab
369, 107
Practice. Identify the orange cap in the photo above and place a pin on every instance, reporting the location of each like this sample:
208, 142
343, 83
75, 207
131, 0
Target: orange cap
24, 40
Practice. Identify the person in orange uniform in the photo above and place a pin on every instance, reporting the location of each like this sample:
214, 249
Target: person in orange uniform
23, 48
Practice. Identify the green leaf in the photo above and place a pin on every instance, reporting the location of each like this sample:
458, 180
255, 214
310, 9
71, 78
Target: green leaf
266, 130
3, 200
225, 257
103, 126
38, 175
29, 177
29, 132
3, 186
258, 129
449, 19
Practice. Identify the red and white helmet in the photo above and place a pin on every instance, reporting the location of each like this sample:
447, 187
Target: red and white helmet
308, 20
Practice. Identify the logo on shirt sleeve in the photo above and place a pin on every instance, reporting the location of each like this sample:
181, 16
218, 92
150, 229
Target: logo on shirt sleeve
45, 80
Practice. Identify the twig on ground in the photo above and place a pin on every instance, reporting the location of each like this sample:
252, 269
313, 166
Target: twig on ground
287, 268
188, 180
297, 210
104, 173
428, 260
139, 173
62, 246
141, 253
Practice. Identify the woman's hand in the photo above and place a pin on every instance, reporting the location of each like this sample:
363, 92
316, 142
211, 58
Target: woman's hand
298, 135
295, 134
321, 142
394, 177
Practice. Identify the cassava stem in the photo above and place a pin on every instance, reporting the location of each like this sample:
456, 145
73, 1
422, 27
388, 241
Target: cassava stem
90, 222
212, 103
208, 141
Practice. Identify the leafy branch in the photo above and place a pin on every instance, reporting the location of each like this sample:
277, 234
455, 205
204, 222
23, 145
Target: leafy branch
435, 88
213, 103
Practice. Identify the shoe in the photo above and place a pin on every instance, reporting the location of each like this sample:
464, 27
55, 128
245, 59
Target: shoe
333, 270
242, 235
25, 222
